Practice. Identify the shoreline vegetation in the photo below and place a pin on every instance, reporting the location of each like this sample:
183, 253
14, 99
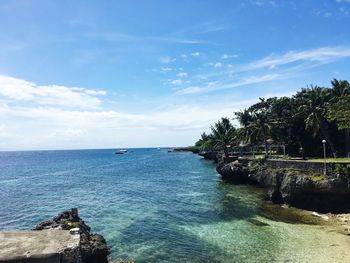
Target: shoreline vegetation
304, 125
282, 145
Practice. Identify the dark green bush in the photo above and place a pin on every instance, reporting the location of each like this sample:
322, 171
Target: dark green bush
342, 169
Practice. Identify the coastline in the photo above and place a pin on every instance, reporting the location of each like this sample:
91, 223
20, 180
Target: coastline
340, 220
202, 212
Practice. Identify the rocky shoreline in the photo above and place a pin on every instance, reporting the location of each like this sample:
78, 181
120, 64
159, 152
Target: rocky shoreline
298, 184
93, 247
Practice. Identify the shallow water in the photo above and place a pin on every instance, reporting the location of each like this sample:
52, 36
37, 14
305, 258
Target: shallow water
155, 206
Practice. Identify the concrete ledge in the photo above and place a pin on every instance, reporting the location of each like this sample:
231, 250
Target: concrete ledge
49, 246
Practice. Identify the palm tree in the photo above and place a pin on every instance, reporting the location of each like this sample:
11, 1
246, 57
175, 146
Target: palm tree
244, 118
223, 134
205, 142
260, 129
257, 122
339, 109
313, 107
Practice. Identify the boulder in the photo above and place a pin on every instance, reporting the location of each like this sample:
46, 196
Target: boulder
233, 172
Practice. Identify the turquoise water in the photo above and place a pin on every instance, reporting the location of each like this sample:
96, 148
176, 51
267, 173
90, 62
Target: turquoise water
155, 206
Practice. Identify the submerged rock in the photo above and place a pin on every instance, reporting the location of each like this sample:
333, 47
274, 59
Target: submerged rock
257, 222
93, 247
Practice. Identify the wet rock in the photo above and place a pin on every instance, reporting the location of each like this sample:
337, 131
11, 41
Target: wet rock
210, 155
233, 172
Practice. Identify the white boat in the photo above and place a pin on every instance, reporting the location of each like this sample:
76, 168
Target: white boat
121, 152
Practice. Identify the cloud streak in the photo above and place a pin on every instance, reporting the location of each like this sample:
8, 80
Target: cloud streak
319, 55
243, 82
270, 68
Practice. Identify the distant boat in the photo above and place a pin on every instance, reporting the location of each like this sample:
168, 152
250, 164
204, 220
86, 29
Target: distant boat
121, 151
158, 148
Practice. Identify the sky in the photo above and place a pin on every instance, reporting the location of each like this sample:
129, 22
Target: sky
152, 73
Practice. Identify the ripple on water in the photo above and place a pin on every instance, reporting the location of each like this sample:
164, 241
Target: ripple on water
153, 206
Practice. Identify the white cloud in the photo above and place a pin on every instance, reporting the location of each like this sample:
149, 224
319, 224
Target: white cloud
227, 56
167, 60
44, 127
220, 86
319, 55
19, 90
176, 82
195, 54
285, 66
273, 3
166, 69
182, 74
258, 3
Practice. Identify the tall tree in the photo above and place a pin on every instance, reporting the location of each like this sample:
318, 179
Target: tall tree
313, 106
223, 134
339, 109
257, 122
260, 129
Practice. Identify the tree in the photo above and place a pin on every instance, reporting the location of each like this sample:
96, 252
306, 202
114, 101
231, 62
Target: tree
257, 122
313, 107
244, 118
339, 109
205, 142
223, 134
260, 129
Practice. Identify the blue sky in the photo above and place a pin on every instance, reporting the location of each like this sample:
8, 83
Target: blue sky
96, 74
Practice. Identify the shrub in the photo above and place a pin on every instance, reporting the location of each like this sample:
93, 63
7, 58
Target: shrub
256, 166
72, 224
342, 169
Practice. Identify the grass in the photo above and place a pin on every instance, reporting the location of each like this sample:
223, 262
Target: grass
331, 160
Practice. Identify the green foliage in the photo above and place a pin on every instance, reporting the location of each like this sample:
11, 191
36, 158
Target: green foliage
340, 112
301, 121
342, 169
223, 134
72, 224
256, 166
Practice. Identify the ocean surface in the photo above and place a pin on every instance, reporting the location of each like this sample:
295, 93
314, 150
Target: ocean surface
155, 206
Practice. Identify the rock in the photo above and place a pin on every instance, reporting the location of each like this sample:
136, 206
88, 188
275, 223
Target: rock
210, 155
233, 172
301, 190
297, 188
93, 247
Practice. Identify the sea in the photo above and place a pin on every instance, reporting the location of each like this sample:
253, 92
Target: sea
152, 205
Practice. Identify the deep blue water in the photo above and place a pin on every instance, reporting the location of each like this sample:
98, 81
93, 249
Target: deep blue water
150, 205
